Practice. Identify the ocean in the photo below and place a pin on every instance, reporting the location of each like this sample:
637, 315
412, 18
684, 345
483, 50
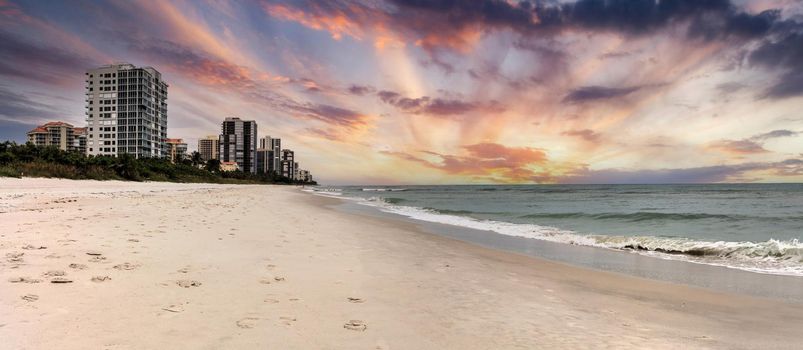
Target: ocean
753, 227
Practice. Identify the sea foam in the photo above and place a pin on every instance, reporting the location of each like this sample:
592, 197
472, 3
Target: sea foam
771, 257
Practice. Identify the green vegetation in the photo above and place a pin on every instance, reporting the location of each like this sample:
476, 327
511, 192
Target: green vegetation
34, 161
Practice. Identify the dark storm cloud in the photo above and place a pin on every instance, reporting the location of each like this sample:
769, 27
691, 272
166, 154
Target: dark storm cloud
451, 25
591, 93
709, 18
785, 53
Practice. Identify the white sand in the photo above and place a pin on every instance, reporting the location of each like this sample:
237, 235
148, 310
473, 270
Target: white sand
243, 267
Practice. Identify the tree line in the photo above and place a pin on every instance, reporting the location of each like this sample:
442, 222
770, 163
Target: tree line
18, 160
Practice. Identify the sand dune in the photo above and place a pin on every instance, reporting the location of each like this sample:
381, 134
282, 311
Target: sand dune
117, 265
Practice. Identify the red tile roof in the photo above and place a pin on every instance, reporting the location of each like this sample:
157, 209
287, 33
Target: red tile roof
57, 124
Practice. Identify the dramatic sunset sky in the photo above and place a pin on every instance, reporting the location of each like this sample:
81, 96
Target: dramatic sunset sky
460, 91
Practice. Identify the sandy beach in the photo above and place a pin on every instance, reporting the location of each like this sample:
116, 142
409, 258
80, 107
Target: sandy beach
118, 265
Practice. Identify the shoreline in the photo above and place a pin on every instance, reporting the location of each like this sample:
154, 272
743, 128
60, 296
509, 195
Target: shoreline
631, 263
276, 267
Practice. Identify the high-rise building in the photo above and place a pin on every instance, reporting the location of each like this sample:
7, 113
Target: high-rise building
176, 149
288, 163
276, 155
58, 134
238, 143
209, 147
268, 155
126, 109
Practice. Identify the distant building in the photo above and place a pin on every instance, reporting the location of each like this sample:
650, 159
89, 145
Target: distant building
79, 140
58, 134
209, 147
276, 155
238, 143
229, 166
176, 149
288, 163
126, 111
268, 155
295, 171
304, 175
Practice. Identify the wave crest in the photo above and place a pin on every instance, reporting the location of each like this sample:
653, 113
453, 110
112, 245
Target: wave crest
772, 256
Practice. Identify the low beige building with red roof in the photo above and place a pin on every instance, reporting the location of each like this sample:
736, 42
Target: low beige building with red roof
58, 134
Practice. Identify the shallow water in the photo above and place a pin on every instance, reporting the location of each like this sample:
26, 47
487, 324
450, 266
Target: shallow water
754, 227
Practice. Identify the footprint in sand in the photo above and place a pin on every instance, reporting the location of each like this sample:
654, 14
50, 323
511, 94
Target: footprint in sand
188, 283
356, 300
23, 280
101, 278
94, 253
32, 247
355, 325
60, 280
54, 273
77, 266
248, 322
174, 308
14, 257
126, 266
30, 297
97, 259
184, 269
271, 301
287, 320
278, 279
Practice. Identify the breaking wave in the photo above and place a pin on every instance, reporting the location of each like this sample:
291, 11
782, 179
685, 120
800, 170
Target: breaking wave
772, 256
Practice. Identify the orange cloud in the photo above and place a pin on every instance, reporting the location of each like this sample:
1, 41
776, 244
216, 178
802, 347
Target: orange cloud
488, 161
337, 23
738, 147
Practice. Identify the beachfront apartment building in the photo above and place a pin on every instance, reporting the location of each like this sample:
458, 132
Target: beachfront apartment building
288, 163
269, 155
238, 143
126, 111
176, 149
209, 147
79, 140
304, 175
276, 155
57, 134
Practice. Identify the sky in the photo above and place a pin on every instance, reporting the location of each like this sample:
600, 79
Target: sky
444, 91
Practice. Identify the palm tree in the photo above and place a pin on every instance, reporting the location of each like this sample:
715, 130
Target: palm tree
196, 159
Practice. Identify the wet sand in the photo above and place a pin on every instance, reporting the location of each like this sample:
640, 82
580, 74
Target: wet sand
117, 265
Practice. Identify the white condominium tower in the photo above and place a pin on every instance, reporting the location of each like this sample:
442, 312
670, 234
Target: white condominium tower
126, 109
